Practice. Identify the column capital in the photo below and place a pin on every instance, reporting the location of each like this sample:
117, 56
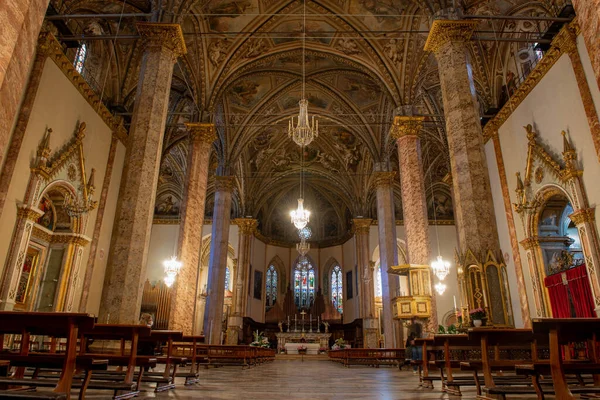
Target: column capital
201, 132
361, 225
583, 215
163, 35
406, 126
247, 225
383, 178
443, 31
224, 183
530, 242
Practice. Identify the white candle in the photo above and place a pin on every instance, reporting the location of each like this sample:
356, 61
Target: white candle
454, 302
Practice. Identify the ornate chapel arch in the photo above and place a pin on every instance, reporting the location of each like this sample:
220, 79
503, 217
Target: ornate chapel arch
548, 177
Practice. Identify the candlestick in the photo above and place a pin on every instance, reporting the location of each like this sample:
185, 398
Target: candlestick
288, 327
454, 302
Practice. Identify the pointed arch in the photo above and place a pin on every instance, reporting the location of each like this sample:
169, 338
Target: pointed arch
275, 282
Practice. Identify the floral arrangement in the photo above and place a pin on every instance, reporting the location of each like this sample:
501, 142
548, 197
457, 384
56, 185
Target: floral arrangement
302, 348
477, 313
260, 340
322, 349
339, 344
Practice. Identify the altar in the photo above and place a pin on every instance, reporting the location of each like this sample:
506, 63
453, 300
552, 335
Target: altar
314, 341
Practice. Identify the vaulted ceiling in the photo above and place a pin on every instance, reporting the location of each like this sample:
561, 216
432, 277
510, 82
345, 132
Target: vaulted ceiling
243, 71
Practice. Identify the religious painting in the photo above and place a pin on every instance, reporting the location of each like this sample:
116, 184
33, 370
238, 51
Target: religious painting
229, 15
247, 93
29, 265
349, 293
167, 206
47, 220
319, 31
258, 285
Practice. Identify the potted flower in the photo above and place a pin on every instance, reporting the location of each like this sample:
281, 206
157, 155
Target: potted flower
302, 349
323, 350
477, 315
260, 340
339, 344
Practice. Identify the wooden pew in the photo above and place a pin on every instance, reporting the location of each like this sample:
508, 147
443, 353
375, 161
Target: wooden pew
561, 332
188, 346
428, 351
66, 325
169, 358
456, 348
221, 355
122, 383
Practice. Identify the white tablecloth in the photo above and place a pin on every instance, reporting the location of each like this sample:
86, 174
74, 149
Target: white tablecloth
311, 348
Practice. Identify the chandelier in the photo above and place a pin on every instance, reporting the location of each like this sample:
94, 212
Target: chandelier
441, 268
303, 247
81, 203
172, 267
303, 131
440, 288
303, 263
300, 217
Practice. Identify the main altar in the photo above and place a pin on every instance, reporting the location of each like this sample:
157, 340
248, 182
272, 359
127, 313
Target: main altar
313, 341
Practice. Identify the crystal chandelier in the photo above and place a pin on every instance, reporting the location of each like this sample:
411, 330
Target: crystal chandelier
440, 288
81, 203
303, 247
172, 267
440, 268
300, 217
303, 263
303, 132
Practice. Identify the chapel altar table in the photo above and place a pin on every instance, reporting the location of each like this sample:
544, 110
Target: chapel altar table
295, 339
311, 348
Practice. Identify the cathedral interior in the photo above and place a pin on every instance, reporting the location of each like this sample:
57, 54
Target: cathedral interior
152, 152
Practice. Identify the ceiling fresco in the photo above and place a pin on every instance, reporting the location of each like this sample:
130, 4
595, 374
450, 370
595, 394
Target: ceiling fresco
243, 71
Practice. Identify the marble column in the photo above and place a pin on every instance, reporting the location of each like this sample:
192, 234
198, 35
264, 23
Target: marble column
181, 315
473, 206
213, 315
406, 130
365, 269
20, 25
388, 250
126, 269
588, 18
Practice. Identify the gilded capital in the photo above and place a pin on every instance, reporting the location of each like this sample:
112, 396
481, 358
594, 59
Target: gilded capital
443, 31
247, 225
530, 243
583, 215
406, 126
224, 183
383, 178
361, 225
163, 35
30, 213
201, 132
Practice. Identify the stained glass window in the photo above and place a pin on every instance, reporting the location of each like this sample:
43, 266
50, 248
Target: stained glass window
80, 58
304, 286
271, 286
336, 288
227, 279
378, 291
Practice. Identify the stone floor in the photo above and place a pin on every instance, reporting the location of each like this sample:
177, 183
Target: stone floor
294, 379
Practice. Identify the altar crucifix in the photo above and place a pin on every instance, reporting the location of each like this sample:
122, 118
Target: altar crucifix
303, 313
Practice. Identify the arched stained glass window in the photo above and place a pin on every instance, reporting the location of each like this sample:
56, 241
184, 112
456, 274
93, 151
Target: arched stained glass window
336, 288
227, 279
378, 291
271, 286
304, 286
80, 56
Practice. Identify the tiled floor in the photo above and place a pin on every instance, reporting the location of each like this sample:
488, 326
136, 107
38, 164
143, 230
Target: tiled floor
293, 380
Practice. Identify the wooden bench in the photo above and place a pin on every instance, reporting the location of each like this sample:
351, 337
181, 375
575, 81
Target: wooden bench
125, 384
236, 355
561, 333
65, 325
455, 348
169, 358
428, 351
188, 346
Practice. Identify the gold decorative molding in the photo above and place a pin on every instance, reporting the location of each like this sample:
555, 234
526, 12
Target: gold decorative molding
224, 183
383, 178
168, 221
163, 35
406, 126
530, 243
49, 46
583, 215
400, 222
247, 225
44, 234
361, 225
29, 213
202, 132
443, 31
